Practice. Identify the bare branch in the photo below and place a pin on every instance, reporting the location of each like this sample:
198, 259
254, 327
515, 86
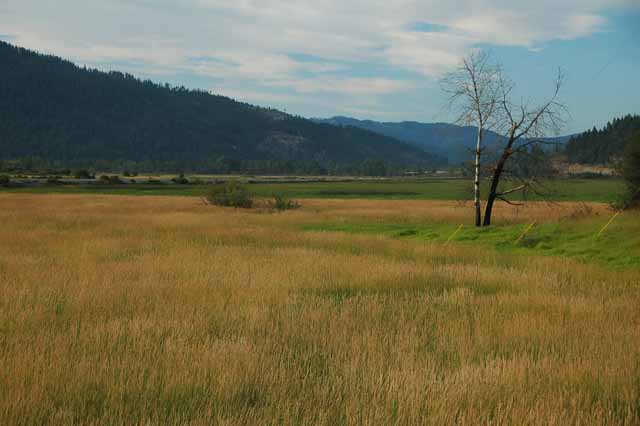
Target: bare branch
535, 141
511, 203
512, 190
472, 93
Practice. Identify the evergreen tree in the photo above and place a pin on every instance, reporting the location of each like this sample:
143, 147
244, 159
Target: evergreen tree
630, 171
603, 146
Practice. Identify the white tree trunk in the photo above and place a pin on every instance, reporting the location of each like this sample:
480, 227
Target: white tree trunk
476, 181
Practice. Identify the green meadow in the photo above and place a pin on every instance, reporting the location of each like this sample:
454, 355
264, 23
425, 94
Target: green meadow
597, 190
587, 239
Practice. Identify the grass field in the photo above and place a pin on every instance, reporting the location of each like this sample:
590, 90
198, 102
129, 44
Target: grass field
597, 190
161, 310
557, 229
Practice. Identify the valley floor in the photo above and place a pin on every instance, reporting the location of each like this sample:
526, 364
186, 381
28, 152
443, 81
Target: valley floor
163, 310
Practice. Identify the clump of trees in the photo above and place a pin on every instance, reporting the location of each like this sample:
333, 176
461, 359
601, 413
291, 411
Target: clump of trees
630, 171
218, 165
481, 94
234, 194
603, 146
231, 194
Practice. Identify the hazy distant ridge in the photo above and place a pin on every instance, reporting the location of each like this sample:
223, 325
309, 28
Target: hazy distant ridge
443, 139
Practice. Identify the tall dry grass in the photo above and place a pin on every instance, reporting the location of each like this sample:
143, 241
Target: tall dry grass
149, 310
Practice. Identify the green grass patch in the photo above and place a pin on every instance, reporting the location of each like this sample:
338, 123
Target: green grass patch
597, 190
618, 247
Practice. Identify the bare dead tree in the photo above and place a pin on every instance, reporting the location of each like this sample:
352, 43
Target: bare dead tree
523, 127
472, 94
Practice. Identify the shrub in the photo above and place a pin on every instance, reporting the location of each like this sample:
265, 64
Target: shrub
278, 203
83, 174
282, 203
110, 180
231, 194
630, 171
54, 180
180, 180
5, 180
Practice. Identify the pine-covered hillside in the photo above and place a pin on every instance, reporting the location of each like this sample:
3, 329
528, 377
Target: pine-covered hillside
603, 146
51, 108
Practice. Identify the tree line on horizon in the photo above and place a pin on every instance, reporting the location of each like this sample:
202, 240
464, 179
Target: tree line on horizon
221, 166
603, 146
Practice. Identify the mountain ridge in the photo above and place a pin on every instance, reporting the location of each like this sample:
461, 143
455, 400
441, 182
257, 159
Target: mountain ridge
443, 139
52, 108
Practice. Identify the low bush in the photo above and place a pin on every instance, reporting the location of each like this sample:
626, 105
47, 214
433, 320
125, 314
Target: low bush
231, 194
282, 203
180, 180
83, 174
110, 180
54, 180
234, 194
5, 180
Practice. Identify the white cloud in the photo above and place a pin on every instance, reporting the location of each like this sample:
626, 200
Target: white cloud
248, 43
350, 86
583, 25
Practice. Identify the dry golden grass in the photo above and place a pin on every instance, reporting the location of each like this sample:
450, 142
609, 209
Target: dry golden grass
150, 310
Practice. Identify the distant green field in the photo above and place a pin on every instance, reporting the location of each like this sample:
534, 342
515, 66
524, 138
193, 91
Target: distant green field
598, 190
602, 190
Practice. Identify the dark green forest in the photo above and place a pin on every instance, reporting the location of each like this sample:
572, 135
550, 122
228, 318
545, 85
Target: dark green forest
54, 112
603, 146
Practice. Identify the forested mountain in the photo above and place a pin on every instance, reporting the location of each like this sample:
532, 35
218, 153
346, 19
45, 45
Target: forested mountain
603, 146
50, 108
446, 140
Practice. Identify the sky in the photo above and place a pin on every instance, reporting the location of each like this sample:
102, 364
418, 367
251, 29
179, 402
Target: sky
368, 59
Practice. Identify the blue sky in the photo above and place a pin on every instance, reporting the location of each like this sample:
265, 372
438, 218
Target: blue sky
378, 59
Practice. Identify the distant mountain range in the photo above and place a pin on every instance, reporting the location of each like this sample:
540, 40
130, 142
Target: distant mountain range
456, 143
51, 108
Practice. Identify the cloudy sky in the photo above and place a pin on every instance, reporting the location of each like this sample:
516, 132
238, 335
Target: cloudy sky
378, 59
